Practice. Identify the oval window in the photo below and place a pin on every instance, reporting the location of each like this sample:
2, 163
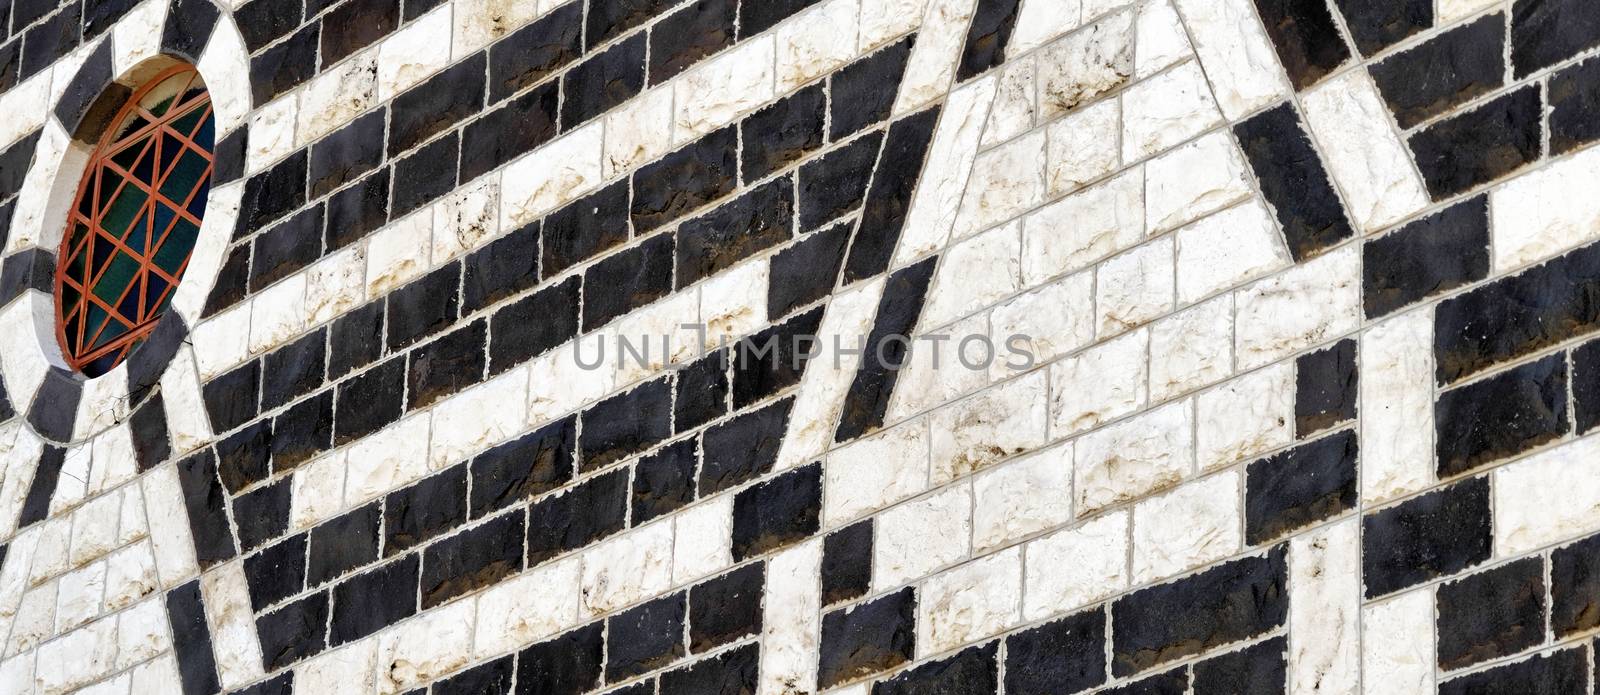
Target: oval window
134, 221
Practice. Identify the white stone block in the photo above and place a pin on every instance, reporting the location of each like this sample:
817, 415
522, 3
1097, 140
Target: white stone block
78, 596
35, 619
335, 97
882, 20
1083, 146
723, 89
272, 132
1135, 457
1325, 634
1192, 348
1093, 61
528, 608
1076, 567
169, 526
1246, 417
1014, 102
1546, 498
1099, 384
638, 131
1162, 39
1396, 410
386, 461
426, 647
1239, 60
816, 42
277, 314
479, 418
50, 555
336, 284
1006, 181
1135, 287
1308, 304
974, 274
949, 166
551, 176
626, 569
1165, 110
410, 55
900, 548
130, 576
1022, 497
77, 658
704, 540
1041, 21
791, 621
1361, 151
975, 433
142, 633
1051, 321
1231, 247
1548, 211
875, 472
938, 370
1193, 181
94, 528
132, 525
479, 23
317, 491
1189, 527
977, 600
1452, 10
1397, 656
827, 381
466, 219
399, 253
233, 624
1072, 233
932, 66
348, 669
187, 419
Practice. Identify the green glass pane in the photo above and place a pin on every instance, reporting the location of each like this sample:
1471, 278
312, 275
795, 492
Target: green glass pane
73, 323
96, 318
129, 307
185, 124
108, 181
113, 331
117, 277
75, 266
69, 296
177, 247
206, 137
124, 211
180, 183
129, 155
75, 239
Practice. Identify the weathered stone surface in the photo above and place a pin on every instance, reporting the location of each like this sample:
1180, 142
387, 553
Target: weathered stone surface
645, 638
1326, 388
1256, 670
1299, 487
1063, 656
1491, 614
1435, 535
1561, 672
1378, 24
1309, 44
1514, 316
1228, 603
1444, 72
1500, 416
1427, 257
1294, 181
1481, 145
1545, 33
868, 638
970, 672
1574, 96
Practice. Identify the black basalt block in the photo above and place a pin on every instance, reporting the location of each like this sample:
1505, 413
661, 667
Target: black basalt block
777, 513
1575, 587
1326, 389
277, 572
286, 248
702, 392
990, 31
205, 501
1502, 415
567, 665
1481, 145
54, 411
1546, 32
585, 228
531, 465
627, 280
1574, 95
973, 671
420, 512
152, 443
501, 135
743, 227
847, 563
602, 81
773, 359
346, 154
868, 638
302, 431
1225, 604
784, 132
1294, 180
889, 197
356, 24
473, 559
757, 16
263, 21
534, 52
1491, 614
437, 104
262, 514
1378, 24
446, 366
608, 19
370, 401
293, 370
868, 399
663, 482
1431, 256
806, 271
356, 339
1445, 72
732, 672
864, 91
243, 458
1555, 674
1255, 670
1514, 316
530, 326
689, 35
1174, 682
1423, 538
505, 268
373, 600
358, 210
625, 424
727, 608
425, 175
1064, 656
645, 638
280, 68
1308, 42
743, 448
55, 37
270, 195
1586, 386
424, 307
293, 632
344, 543
492, 678
836, 183
191, 640
693, 176
578, 516
1299, 487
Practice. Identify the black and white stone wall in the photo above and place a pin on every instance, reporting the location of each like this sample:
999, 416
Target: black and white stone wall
1307, 291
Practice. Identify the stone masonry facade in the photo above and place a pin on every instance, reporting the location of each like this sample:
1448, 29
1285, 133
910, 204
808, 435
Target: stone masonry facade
1308, 291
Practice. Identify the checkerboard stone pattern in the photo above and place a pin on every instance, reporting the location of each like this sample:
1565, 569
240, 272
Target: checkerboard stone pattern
1311, 290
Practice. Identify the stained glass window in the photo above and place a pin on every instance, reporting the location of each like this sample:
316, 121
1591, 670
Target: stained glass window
134, 221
